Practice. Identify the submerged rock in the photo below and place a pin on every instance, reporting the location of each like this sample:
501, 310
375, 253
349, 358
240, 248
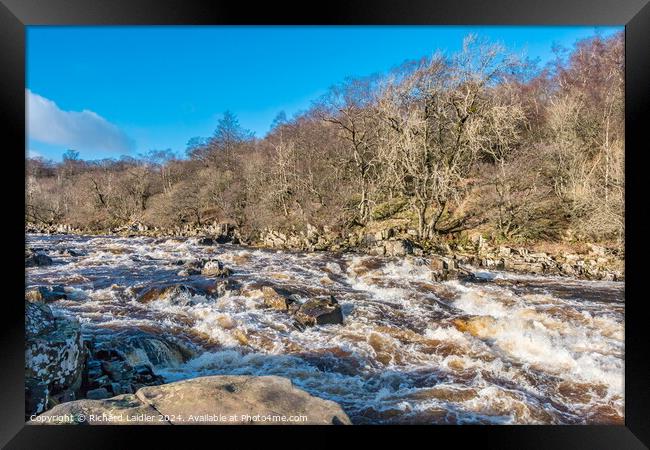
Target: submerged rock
214, 400
224, 287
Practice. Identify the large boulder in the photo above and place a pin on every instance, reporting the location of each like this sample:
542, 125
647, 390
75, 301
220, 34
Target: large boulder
319, 311
54, 356
214, 400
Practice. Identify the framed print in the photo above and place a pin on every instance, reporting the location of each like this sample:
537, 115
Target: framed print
375, 218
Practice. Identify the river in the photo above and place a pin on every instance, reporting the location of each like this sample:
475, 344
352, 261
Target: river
511, 349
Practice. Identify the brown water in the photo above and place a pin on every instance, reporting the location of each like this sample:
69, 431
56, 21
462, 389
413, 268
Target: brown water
509, 350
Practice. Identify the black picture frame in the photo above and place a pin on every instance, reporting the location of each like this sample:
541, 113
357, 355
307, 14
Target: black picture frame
15, 15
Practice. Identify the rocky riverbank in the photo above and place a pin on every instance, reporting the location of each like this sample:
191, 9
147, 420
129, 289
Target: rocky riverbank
592, 262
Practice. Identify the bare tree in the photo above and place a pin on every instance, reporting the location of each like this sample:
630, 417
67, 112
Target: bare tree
438, 113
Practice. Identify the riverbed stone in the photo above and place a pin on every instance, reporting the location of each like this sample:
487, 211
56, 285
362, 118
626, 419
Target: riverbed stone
224, 287
46, 293
523, 266
215, 268
36, 259
205, 241
276, 299
188, 272
175, 293
319, 311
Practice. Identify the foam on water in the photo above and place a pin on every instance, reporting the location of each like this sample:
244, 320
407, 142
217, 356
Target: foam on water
509, 349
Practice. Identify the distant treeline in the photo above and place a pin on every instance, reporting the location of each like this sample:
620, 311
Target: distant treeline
478, 140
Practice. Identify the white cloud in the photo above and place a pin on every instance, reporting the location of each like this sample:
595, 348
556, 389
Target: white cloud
33, 154
79, 130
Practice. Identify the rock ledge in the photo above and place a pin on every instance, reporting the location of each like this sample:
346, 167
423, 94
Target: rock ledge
212, 400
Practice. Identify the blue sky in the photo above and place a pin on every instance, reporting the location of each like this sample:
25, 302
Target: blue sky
109, 91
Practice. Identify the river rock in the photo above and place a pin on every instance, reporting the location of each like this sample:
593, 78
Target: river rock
319, 311
54, 355
192, 267
273, 298
36, 258
400, 247
46, 293
215, 268
224, 287
69, 252
205, 241
177, 294
188, 272
442, 263
240, 399
445, 268
377, 250
523, 266
37, 395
